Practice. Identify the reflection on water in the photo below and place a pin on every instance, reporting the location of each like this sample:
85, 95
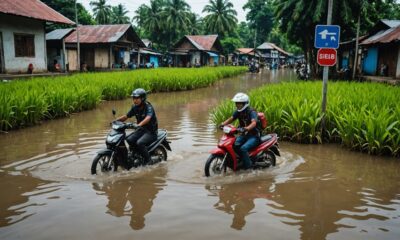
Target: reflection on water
314, 192
325, 197
132, 198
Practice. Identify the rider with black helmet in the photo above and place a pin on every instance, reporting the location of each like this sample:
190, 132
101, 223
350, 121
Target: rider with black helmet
146, 118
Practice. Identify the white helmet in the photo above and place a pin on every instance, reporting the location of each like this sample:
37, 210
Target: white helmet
241, 98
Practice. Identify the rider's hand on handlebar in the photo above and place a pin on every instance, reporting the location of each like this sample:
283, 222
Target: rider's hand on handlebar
241, 130
132, 125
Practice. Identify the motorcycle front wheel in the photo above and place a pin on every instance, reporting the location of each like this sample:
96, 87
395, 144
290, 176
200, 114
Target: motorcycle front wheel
103, 163
214, 165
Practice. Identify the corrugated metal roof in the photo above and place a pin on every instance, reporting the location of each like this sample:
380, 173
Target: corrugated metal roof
202, 42
280, 49
146, 42
391, 23
32, 9
265, 46
385, 36
58, 34
245, 50
270, 46
102, 34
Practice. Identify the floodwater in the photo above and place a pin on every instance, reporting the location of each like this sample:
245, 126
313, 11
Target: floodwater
314, 192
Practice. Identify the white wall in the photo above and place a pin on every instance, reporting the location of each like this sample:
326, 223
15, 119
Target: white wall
196, 56
12, 24
398, 64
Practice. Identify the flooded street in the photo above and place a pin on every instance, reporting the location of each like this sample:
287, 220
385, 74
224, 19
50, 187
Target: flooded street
314, 192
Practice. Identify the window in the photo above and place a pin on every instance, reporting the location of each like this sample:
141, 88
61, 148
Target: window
24, 45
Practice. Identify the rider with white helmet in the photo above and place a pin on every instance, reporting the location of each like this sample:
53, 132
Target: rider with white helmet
248, 124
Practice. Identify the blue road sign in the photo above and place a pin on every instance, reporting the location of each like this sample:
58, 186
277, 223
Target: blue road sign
327, 36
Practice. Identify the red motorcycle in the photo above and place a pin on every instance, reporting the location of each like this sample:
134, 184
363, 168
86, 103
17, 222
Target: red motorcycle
224, 156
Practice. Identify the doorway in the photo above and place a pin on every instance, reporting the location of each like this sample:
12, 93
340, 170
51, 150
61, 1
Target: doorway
1, 54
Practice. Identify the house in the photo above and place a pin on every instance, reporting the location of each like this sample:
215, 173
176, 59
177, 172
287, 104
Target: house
346, 54
149, 57
242, 56
101, 46
22, 35
197, 50
381, 50
56, 51
272, 54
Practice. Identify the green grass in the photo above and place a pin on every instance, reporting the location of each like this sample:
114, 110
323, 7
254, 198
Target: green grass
361, 116
27, 102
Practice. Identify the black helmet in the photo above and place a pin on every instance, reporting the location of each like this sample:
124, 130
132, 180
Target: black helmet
139, 92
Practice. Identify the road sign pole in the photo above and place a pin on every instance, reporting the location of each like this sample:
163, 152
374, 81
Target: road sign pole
325, 74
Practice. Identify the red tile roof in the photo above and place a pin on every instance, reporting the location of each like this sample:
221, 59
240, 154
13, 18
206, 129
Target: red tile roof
102, 34
32, 9
204, 42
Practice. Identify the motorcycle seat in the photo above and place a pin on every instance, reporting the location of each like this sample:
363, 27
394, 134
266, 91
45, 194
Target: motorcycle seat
161, 133
266, 138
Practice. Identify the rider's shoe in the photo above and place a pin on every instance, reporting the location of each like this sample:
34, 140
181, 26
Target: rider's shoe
261, 164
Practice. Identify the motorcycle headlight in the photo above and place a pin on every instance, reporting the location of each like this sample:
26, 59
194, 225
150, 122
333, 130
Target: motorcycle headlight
227, 129
113, 139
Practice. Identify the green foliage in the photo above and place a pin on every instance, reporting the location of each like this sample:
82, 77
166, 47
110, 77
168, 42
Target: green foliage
230, 44
221, 17
67, 8
102, 11
27, 102
298, 18
361, 116
165, 21
260, 18
119, 14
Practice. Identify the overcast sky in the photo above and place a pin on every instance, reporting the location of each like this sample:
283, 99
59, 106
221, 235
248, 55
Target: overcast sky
195, 5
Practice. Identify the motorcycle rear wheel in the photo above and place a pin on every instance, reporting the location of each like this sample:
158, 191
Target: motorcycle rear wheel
161, 153
214, 166
103, 163
269, 158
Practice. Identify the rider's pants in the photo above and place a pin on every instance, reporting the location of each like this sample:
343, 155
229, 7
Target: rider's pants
243, 145
140, 139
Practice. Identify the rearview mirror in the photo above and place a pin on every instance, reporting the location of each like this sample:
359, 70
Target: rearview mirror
114, 112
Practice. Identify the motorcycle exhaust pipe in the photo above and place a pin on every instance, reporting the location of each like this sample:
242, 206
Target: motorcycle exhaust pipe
155, 159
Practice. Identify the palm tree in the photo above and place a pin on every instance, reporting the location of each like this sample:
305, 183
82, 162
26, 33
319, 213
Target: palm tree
101, 11
176, 13
221, 18
195, 26
153, 20
119, 14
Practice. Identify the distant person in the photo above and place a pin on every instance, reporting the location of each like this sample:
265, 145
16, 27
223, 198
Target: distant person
30, 68
383, 70
56, 66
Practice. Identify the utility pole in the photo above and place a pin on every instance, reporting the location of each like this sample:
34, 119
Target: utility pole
356, 52
255, 37
78, 55
325, 73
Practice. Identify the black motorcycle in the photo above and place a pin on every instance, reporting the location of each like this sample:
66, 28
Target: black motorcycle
302, 72
117, 154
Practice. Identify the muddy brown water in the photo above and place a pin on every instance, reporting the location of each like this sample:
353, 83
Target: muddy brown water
314, 192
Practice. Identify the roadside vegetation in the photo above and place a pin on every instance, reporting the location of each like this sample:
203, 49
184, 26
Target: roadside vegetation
27, 102
361, 116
